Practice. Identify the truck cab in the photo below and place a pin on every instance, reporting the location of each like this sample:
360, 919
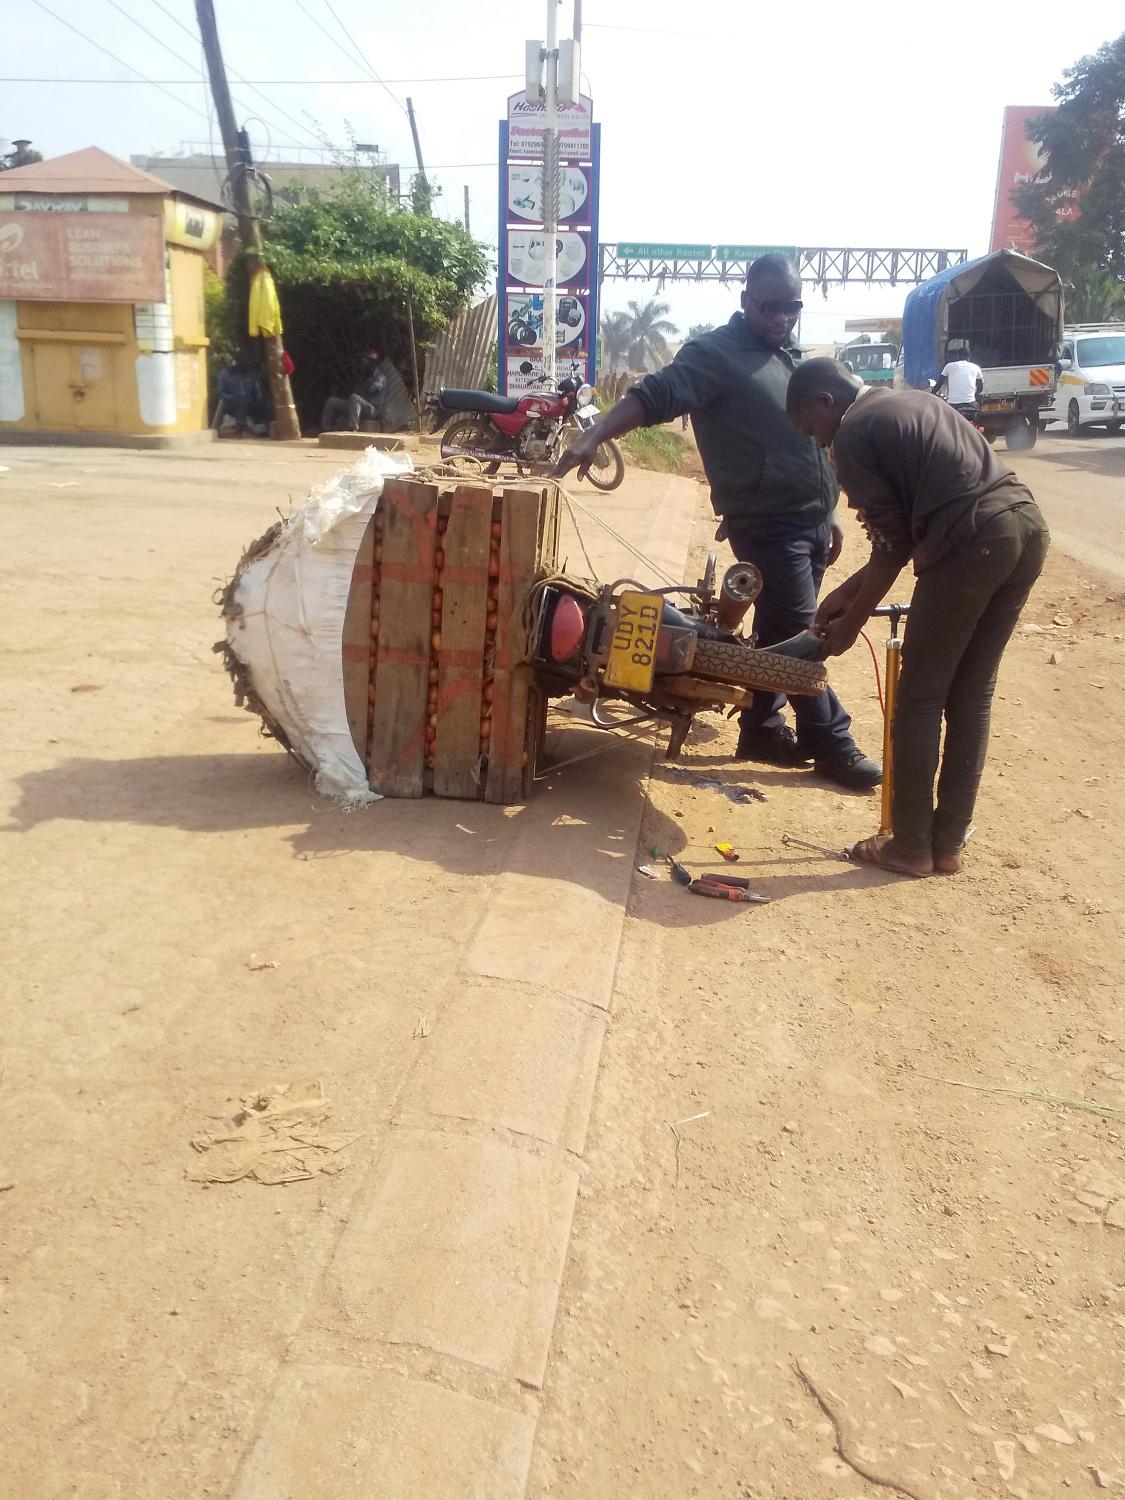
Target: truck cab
1091, 376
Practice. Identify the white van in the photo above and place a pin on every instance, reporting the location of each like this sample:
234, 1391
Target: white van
1091, 367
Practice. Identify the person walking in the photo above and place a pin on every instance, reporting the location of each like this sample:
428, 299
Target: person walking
773, 491
928, 489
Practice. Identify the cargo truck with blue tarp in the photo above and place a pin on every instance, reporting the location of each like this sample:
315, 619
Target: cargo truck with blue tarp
1005, 313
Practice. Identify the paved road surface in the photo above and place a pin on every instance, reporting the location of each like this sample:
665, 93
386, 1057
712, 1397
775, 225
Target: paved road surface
1080, 485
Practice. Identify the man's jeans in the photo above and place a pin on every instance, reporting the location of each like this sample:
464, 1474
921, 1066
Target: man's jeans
792, 560
351, 409
961, 618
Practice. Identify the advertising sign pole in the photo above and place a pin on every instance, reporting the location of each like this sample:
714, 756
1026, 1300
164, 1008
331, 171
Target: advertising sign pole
550, 191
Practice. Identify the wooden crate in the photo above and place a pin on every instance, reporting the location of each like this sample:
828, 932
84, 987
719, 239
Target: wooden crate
439, 695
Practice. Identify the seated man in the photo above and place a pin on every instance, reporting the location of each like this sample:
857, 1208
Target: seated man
367, 402
241, 393
930, 490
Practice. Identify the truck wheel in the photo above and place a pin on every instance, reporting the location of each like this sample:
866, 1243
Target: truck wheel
1022, 434
1073, 420
1114, 428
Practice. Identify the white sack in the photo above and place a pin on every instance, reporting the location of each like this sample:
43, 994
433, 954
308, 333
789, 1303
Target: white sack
285, 621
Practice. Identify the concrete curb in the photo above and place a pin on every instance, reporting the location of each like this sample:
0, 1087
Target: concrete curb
414, 1375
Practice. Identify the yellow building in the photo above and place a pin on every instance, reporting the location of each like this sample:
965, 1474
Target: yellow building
102, 332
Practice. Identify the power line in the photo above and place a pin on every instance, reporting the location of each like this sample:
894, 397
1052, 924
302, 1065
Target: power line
186, 61
245, 81
120, 61
287, 82
350, 56
360, 54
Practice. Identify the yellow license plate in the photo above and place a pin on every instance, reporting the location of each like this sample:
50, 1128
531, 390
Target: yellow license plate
632, 655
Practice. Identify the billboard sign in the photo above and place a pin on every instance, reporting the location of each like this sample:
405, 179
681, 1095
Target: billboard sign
526, 257
527, 128
1021, 162
525, 322
81, 257
525, 192
522, 268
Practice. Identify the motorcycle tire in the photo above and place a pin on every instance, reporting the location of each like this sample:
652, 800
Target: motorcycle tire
731, 661
608, 473
467, 432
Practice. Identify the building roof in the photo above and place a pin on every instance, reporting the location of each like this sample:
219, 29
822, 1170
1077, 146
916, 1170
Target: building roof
85, 172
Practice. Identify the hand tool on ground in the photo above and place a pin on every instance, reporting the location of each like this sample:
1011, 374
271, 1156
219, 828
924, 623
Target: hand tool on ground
736, 887
679, 873
794, 843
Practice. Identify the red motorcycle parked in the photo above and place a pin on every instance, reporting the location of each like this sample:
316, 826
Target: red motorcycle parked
529, 431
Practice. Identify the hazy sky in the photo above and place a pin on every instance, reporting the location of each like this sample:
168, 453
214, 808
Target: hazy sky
722, 120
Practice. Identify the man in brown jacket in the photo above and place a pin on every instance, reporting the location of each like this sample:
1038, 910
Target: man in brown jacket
929, 490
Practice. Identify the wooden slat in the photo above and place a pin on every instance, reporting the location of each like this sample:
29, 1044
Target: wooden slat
356, 642
519, 545
461, 659
409, 509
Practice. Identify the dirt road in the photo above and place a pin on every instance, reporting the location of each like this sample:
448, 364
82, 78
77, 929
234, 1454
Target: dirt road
1081, 485
818, 1159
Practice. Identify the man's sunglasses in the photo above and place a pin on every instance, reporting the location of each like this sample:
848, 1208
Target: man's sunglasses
791, 308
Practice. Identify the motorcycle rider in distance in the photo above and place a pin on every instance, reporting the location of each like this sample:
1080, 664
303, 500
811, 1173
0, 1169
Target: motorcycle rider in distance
962, 382
773, 490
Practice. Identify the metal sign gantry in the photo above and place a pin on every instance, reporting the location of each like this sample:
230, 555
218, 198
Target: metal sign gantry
824, 266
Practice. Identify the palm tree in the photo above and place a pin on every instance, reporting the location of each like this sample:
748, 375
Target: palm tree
616, 338
649, 333
1094, 296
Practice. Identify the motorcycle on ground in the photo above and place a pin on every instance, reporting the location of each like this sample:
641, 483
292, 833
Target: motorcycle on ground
625, 641
529, 431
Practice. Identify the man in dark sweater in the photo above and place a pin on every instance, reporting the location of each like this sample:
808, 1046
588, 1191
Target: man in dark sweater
773, 490
930, 490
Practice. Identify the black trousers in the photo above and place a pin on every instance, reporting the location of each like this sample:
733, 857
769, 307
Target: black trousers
792, 560
962, 616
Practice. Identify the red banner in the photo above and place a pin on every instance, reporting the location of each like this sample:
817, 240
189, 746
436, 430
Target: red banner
77, 257
1020, 163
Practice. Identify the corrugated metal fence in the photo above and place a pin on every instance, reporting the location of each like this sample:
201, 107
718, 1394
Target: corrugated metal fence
461, 353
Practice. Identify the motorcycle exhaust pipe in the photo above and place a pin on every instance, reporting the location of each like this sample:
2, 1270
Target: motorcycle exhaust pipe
741, 585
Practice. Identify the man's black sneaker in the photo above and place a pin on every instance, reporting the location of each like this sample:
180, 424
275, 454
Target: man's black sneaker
774, 747
851, 769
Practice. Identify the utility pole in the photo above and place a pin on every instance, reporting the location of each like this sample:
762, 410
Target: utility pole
550, 190
576, 29
467, 229
418, 151
249, 229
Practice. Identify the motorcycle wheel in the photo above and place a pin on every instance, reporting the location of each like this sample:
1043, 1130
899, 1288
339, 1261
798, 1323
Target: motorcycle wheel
467, 432
731, 661
608, 469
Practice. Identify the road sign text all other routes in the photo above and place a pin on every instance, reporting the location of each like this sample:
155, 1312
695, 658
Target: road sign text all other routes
637, 250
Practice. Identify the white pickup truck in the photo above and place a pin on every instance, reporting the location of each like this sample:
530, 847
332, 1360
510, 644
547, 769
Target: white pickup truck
1091, 371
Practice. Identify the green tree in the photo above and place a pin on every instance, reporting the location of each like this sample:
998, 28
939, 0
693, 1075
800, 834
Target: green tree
1076, 206
892, 334
1094, 297
649, 333
616, 329
349, 263
698, 329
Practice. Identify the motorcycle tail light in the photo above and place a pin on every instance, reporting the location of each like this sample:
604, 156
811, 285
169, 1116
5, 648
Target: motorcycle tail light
568, 626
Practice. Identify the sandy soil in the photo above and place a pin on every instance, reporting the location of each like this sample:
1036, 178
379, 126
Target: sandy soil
784, 1174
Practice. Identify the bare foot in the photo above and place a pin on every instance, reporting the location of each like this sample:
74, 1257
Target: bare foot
880, 850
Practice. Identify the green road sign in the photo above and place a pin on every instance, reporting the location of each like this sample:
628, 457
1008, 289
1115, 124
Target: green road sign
752, 252
663, 252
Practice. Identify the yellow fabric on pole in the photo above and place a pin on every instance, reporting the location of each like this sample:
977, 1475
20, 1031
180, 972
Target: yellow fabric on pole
265, 309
